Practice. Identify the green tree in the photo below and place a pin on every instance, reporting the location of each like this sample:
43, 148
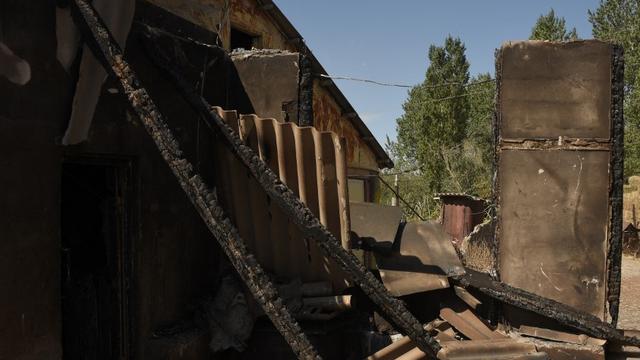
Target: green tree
618, 21
550, 27
480, 134
444, 134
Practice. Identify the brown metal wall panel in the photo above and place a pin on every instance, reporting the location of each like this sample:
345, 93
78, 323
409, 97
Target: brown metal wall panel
559, 162
555, 89
312, 164
554, 204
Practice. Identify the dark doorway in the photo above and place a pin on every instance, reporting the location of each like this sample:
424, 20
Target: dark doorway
95, 259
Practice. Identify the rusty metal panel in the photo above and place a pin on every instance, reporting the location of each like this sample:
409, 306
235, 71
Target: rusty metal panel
460, 214
425, 259
312, 165
559, 182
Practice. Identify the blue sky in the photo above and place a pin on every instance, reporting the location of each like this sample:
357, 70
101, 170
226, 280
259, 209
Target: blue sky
388, 40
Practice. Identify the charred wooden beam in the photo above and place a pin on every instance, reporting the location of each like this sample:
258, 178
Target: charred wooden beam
305, 97
109, 53
614, 265
564, 314
391, 308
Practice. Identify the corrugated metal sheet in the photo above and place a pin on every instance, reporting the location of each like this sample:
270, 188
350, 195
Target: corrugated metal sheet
313, 165
460, 214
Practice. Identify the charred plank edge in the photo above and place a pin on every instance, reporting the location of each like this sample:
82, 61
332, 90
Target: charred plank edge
616, 174
564, 314
497, 122
105, 49
573, 144
393, 309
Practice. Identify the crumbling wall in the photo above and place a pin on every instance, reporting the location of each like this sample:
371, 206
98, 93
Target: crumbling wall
270, 78
251, 17
328, 116
220, 15
248, 16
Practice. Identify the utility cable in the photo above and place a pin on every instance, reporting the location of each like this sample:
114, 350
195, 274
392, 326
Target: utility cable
325, 76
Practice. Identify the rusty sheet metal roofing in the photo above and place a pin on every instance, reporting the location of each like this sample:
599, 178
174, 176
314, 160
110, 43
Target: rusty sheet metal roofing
290, 32
559, 181
312, 164
425, 258
460, 214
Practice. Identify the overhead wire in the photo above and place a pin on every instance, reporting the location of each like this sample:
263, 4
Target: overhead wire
401, 198
435, 86
375, 82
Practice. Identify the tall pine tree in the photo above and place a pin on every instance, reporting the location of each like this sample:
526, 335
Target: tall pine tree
550, 27
444, 136
618, 21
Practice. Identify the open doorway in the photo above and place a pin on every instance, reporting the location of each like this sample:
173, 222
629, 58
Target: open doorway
95, 229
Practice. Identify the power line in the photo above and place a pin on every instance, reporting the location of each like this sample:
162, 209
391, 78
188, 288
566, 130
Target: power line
401, 199
325, 76
457, 96
364, 80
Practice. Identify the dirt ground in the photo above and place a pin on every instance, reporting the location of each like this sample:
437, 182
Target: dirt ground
629, 317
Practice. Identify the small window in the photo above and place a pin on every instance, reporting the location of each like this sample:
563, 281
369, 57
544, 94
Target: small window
357, 191
242, 40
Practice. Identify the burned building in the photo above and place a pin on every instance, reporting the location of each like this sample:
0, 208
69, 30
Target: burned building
193, 206
285, 81
115, 237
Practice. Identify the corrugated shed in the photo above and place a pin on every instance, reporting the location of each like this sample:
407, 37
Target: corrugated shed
460, 214
313, 165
